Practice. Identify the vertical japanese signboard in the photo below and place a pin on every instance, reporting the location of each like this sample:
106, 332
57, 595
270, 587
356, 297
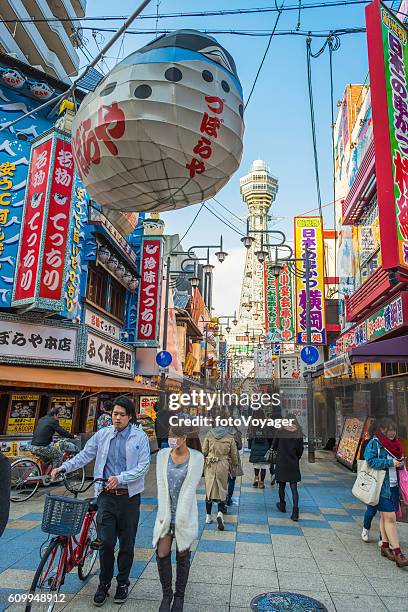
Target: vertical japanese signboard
388, 63
150, 291
309, 233
43, 243
279, 307
271, 298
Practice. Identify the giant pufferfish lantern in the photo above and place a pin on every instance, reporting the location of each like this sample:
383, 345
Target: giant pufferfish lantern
164, 128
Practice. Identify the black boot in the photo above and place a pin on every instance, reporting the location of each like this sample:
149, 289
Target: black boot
166, 576
183, 570
281, 506
295, 514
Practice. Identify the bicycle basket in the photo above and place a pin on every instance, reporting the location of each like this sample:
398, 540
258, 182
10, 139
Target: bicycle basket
63, 516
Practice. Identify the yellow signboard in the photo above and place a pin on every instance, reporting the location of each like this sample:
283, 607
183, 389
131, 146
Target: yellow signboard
22, 413
309, 235
90, 419
66, 406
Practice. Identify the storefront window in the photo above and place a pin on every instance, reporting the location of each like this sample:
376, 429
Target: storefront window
368, 237
117, 300
106, 292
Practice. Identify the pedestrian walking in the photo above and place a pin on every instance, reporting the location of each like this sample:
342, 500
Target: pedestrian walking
385, 452
178, 471
105, 418
220, 452
238, 471
371, 511
162, 425
259, 441
122, 456
288, 445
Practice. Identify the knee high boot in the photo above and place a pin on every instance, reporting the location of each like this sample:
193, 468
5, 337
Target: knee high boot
166, 577
183, 570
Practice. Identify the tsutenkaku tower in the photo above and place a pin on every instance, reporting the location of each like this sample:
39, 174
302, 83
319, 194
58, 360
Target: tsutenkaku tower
258, 190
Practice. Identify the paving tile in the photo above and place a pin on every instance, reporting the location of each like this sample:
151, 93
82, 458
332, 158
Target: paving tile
285, 530
243, 528
209, 558
280, 520
225, 536
251, 562
255, 577
255, 538
23, 524
207, 594
347, 601
337, 567
292, 580
395, 604
310, 516
347, 584
381, 568
84, 603
397, 587
210, 574
16, 578
142, 554
295, 565
247, 548
340, 518
241, 596
146, 589
216, 546
334, 511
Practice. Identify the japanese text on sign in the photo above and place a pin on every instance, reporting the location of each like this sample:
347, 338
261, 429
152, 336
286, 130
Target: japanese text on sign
309, 234
271, 298
150, 286
31, 235
55, 244
74, 269
210, 124
104, 354
36, 342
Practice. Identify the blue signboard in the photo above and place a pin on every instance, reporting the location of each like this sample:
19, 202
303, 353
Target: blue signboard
164, 359
309, 355
15, 145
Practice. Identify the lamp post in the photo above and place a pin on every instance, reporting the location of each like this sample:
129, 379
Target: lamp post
302, 273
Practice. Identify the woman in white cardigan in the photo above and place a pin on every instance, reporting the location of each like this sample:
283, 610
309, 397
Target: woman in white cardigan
178, 470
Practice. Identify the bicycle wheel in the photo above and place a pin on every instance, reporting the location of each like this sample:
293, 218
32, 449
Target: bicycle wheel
48, 578
76, 479
25, 474
90, 555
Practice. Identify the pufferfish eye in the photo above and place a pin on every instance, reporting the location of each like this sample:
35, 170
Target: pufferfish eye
173, 74
225, 86
143, 92
207, 76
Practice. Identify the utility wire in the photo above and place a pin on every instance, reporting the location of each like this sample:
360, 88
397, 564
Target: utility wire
334, 45
225, 218
188, 229
228, 210
219, 13
250, 33
263, 59
231, 227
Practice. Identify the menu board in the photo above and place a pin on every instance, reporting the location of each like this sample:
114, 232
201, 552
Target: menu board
350, 440
22, 413
15, 448
90, 419
147, 405
66, 407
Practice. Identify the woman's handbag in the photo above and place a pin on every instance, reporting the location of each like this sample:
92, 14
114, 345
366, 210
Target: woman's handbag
403, 484
369, 481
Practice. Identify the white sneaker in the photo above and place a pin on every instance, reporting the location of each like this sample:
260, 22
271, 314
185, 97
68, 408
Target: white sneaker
208, 519
365, 535
380, 541
220, 521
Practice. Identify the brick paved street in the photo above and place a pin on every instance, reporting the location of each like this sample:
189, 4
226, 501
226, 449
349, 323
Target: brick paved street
260, 550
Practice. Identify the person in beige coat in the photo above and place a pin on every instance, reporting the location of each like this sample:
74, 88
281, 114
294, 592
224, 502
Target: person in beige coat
221, 455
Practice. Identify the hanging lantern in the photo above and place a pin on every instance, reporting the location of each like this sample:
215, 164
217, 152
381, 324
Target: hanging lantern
127, 278
134, 283
120, 271
104, 253
113, 263
164, 128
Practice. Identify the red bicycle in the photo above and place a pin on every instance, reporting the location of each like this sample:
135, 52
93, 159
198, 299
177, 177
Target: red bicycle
65, 518
27, 474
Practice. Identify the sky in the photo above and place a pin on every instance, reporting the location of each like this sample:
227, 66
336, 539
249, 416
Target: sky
277, 120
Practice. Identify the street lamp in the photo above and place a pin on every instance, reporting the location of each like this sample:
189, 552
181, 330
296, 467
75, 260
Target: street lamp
304, 273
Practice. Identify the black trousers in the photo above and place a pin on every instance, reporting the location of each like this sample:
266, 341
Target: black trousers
117, 518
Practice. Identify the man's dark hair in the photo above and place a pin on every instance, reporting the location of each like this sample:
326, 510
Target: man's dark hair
53, 412
126, 403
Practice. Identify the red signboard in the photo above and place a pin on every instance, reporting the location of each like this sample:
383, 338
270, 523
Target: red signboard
56, 236
150, 289
31, 234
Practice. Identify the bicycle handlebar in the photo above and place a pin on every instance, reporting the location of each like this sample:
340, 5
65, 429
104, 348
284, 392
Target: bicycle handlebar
76, 491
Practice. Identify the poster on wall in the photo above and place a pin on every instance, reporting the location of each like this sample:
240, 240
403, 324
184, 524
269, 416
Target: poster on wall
66, 408
90, 419
350, 441
22, 414
147, 404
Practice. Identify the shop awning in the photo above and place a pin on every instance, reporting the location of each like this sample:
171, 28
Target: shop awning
73, 380
393, 350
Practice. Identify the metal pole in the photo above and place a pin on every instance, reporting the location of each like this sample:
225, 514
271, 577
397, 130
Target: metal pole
165, 331
93, 63
205, 354
309, 381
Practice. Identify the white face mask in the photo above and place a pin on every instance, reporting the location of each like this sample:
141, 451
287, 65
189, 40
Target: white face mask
173, 442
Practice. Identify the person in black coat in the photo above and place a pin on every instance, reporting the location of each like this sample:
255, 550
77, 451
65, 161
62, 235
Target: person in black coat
5, 477
259, 441
289, 446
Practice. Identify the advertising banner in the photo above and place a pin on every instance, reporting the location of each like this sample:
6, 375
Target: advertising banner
285, 305
263, 364
90, 419
22, 414
32, 229
101, 324
309, 232
109, 355
388, 64
66, 407
147, 406
150, 291
350, 441
271, 298
385, 320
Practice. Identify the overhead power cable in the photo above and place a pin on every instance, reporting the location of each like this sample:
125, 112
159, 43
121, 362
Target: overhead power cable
188, 229
250, 33
219, 13
230, 226
228, 210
